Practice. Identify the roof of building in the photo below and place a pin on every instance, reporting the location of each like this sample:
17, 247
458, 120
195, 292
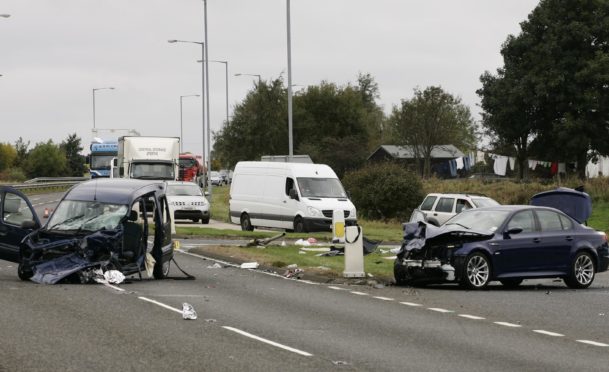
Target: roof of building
407, 152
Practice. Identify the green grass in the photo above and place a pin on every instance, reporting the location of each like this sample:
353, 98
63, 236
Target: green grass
219, 203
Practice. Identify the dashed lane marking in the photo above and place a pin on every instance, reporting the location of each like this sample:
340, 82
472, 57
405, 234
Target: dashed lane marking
593, 343
383, 298
161, 304
440, 310
359, 293
337, 288
506, 324
473, 317
410, 304
547, 333
266, 341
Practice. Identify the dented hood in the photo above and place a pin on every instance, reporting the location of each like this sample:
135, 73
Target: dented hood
576, 204
419, 234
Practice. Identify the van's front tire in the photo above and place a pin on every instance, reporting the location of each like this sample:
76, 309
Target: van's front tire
299, 226
246, 224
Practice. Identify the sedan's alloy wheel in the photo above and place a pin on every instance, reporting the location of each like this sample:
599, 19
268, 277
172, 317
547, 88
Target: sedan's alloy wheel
584, 269
477, 271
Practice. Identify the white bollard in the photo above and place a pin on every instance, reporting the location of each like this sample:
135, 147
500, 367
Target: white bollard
354, 252
338, 226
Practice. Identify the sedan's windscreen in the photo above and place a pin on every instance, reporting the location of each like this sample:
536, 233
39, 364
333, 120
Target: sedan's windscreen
86, 215
321, 188
484, 202
479, 220
183, 190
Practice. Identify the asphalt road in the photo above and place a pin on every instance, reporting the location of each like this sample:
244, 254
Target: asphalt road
252, 320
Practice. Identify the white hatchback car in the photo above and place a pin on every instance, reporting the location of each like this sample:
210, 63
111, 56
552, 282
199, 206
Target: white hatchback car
439, 208
187, 201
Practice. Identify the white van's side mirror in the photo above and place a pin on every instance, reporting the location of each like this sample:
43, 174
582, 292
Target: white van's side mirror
294, 194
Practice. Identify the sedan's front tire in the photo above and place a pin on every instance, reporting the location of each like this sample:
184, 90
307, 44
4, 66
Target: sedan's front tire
476, 271
582, 271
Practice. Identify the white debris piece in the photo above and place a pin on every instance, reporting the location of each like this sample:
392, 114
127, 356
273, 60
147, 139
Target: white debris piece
215, 266
188, 311
114, 276
302, 242
150, 261
249, 265
292, 266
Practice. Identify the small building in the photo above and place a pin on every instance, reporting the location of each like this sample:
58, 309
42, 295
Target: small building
443, 158
287, 158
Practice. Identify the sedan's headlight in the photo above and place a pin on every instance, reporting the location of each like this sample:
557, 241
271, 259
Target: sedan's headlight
314, 212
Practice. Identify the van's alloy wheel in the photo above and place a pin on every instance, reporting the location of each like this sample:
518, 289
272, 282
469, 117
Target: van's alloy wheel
299, 225
582, 271
476, 271
246, 224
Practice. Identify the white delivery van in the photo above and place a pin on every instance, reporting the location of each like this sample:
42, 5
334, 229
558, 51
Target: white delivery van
293, 196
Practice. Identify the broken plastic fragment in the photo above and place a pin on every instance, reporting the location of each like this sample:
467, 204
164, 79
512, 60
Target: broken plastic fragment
249, 265
188, 311
215, 266
150, 261
114, 276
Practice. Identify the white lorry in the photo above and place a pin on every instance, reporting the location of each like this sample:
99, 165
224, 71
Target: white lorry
153, 158
292, 196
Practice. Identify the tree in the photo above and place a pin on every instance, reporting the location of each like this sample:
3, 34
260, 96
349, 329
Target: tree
22, 151
560, 62
45, 160
75, 161
8, 154
432, 117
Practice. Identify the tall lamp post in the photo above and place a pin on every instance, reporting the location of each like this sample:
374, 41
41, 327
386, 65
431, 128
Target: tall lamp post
5, 15
259, 78
290, 138
181, 126
226, 83
95, 90
205, 94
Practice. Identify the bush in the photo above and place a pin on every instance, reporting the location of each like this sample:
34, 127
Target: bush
13, 175
384, 191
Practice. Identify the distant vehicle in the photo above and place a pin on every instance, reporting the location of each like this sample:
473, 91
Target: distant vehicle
225, 176
98, 224
187, 201
438, 208
293, 196
150, 158
101, 157
216, 178
507, 243
191, 169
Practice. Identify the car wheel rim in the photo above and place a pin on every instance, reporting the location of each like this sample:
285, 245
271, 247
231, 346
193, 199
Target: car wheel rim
477, 271
584, 269
166, 268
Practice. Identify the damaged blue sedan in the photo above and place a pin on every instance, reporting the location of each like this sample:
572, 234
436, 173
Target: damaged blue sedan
99, 225
505, 244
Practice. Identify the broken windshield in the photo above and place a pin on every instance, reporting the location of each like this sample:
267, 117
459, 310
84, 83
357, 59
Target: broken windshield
481, 220
86, 215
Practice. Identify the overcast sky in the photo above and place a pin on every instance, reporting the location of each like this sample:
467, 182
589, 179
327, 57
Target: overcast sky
54, 52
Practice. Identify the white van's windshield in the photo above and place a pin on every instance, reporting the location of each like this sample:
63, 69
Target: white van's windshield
321, 188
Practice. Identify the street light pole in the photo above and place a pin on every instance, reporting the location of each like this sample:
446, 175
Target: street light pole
259, 78
5, 15
290, 139
94, 90
202, 44
206, 58
226, 78
181, 126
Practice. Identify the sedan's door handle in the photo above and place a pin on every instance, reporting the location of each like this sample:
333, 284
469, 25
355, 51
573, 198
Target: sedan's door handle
536, 240
569, 238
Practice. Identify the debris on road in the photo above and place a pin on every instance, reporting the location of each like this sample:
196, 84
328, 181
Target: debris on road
295, 273
262, 242
188, 311
215, 266
249, 265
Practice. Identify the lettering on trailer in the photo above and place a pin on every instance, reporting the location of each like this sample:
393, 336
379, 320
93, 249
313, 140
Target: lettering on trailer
152, 151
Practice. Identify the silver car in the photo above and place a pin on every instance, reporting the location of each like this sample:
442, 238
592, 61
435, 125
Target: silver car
187, 201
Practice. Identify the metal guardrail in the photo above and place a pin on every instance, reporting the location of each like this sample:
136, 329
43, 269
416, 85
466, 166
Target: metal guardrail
56, 179
44, 185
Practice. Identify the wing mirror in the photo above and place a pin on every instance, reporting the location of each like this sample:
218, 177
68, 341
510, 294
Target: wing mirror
28, 224
512, 231
294, 194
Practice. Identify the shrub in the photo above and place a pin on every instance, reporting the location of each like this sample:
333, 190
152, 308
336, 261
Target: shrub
13, 175
384, 191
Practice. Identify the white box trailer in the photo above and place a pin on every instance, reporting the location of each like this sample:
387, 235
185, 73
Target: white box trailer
143, 157
292, 196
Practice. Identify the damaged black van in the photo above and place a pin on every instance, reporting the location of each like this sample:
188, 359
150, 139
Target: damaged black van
102, 224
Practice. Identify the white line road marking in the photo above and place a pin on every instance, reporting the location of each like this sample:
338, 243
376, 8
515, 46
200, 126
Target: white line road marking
359, 293
506, 324
440, 310
594, 343
548, 333
208, 258
383, 298
161, 304
114, 287
337, 288
473, 317
243, 333
410, 304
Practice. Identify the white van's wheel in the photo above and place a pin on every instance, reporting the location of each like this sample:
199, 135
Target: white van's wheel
246, 224
299, 226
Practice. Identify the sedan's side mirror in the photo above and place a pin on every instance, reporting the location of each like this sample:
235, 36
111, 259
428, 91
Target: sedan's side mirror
294, 194
28, 224
512, 231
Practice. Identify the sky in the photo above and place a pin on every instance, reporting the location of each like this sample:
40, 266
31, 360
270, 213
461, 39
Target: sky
53, 53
